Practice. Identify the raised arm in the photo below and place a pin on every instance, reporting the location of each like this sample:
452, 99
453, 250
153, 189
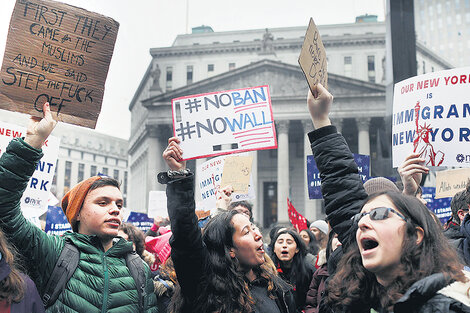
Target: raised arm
341, 185
17, 165
187, 250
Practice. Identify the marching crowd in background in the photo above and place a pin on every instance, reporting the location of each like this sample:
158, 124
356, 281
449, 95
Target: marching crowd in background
378, 250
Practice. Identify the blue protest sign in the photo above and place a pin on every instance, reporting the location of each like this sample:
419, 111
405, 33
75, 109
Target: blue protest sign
313, 175
440, 207
56, 221
140, 220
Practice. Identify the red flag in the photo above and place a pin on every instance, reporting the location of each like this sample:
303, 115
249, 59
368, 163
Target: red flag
296, 219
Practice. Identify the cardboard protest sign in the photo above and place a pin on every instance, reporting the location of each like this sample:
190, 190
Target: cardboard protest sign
237, 173
312, 58
58, 53
313, 174
157, 204
35, 198
140, 220
440, 207
224, 122
209, 177
430, 117
448, 183
56, 221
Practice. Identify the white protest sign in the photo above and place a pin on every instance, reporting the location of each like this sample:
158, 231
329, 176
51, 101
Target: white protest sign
157, 204
209, 178
431, 115
35, 198
224, 122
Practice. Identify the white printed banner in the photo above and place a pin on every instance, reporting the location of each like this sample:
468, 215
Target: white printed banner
157, 204
224, 122
35, 199
431, 116
209, 178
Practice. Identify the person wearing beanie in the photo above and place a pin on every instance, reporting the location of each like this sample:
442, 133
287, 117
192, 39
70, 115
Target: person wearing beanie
320, 229
379, 184
102, 282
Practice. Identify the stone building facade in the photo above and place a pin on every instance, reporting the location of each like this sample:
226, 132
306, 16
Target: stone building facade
214, 61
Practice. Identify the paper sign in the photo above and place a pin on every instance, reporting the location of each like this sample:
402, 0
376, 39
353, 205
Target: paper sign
431, 115
140, 220
313, 174
56, 221
237, 172
440, 207
209, 177
224, 122
448, 183
35, 198
57, 53
157, 204
312, 58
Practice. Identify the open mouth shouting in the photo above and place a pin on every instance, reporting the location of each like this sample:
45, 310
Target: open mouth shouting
368, 245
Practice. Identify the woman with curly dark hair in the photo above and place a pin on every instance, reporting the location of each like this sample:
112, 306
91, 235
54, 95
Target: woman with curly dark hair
290, 259
18, 292
396, 258
223, 270
133, 234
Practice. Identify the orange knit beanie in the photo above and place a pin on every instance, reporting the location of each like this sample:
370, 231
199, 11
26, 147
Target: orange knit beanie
73, 200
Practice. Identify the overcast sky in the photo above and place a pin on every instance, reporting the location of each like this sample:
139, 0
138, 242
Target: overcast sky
146, 24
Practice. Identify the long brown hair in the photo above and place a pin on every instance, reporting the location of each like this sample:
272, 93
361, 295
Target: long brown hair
223, 288
12, 288
354, 286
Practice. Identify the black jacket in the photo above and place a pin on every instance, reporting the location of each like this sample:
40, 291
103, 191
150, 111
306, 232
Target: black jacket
188, 251
31, 301
424, 297
340, 182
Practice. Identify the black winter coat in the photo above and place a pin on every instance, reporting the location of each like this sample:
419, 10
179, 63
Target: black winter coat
31, 301
188, 251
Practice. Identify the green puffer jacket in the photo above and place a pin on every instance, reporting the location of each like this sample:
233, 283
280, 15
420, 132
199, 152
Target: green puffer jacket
101, 283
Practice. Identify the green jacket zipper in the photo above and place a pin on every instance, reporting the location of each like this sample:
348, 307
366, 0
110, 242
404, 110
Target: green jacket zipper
106, 285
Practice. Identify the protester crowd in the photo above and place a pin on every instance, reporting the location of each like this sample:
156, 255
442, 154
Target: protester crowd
380, 249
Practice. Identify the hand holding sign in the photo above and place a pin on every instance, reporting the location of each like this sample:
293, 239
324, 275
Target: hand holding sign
319, 106
224, 197
411, 172
173, 155
40, 128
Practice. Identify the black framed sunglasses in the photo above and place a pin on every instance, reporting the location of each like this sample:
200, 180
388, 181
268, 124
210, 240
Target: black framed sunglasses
377, 214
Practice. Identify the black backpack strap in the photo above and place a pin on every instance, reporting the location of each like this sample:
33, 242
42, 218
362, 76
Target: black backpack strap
137, 269
63, 271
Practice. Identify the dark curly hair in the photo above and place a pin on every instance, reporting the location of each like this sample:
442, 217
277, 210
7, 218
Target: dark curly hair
353, 286
224, 288
135, 235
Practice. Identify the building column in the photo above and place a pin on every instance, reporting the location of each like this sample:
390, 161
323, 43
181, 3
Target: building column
282, 128
364, 140
310, 205
338, 122
155, 163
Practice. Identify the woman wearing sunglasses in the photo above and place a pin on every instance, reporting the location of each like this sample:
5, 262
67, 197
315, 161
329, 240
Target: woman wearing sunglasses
396, 259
